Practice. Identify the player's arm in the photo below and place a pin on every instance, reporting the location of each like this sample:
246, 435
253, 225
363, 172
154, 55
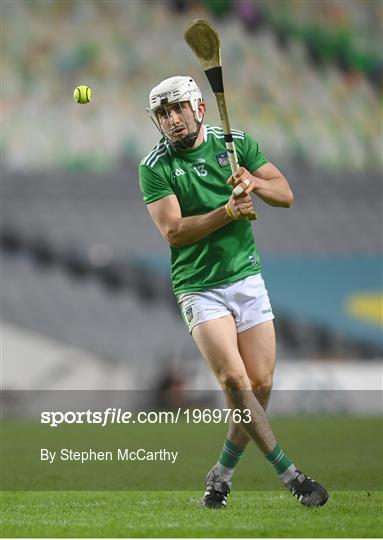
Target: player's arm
267, 182
181, 231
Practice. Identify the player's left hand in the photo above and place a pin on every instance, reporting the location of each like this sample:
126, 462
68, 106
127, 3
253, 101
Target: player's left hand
243, 182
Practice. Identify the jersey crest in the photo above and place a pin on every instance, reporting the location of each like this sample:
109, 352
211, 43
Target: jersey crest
223, 159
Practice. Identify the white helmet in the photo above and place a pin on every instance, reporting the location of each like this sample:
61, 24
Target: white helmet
175, 90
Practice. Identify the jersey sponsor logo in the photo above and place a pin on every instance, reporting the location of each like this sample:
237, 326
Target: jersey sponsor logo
223, 159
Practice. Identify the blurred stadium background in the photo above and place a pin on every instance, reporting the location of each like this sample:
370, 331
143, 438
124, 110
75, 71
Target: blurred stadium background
86, 300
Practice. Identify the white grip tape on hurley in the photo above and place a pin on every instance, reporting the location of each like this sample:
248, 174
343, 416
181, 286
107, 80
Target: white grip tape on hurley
239, 189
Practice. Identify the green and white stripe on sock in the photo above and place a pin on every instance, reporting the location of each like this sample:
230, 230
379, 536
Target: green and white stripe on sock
227, 461
283, 466
230, 454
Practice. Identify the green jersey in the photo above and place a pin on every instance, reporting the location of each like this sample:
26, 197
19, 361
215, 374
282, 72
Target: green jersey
198, 179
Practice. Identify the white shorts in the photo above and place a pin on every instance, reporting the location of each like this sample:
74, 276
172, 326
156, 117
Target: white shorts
246, 300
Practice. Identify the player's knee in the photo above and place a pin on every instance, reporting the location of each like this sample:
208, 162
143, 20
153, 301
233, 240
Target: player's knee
234, 380
262, 385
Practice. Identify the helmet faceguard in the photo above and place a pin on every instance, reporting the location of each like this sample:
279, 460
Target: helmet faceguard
176, 90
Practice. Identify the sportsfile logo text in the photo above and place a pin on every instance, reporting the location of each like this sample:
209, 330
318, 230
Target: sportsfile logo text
113, 415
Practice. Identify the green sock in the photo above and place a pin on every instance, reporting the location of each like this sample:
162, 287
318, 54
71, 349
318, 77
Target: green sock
279, 460
230, 454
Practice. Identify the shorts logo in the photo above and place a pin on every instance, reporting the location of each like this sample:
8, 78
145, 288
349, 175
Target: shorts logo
189, 314
266, 311
223, 159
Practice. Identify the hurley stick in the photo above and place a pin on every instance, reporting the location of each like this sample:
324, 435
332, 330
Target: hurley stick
203, 40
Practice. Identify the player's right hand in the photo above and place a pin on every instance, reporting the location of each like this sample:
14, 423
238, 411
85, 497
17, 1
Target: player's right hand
240, 206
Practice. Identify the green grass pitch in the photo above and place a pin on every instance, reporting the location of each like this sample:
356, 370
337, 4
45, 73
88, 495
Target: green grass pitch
177, 514
342, 452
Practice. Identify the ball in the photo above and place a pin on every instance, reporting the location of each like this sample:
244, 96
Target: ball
82, 94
